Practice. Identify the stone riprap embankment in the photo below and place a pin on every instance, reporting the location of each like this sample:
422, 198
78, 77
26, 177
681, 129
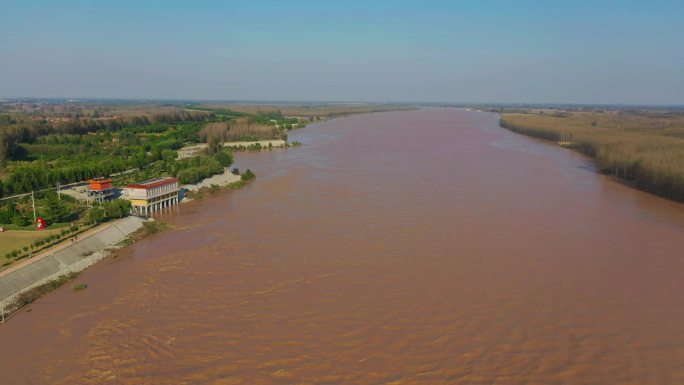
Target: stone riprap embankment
220, 180
74, 257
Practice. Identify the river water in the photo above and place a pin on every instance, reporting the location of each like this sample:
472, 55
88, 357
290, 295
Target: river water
419, 247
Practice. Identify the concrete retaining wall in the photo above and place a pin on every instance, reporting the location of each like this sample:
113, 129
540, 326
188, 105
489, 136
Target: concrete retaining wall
65, 260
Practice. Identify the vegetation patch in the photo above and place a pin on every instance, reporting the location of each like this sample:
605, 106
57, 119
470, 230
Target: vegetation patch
102, 212
80, 287
31, 295
73, 143
150, 228
644, 149
247, 175
237, 185
124, 243
33, 242
195, 169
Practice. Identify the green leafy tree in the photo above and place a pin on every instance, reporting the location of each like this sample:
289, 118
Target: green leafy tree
96, 214
117, 208
20, 220
214, 144
55, 211
224, 158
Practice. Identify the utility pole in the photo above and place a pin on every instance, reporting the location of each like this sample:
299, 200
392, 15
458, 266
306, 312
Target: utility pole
33, 202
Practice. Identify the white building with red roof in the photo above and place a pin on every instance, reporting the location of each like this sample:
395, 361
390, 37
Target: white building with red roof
153, 194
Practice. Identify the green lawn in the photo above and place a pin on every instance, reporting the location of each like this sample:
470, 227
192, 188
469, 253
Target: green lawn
32, 227
16, 239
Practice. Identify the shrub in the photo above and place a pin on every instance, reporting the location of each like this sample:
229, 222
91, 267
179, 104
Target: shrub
236, 185
96, 214
248, 175
224, 158
80, 286
117, 208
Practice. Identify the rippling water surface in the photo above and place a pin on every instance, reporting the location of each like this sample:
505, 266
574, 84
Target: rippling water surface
421, 247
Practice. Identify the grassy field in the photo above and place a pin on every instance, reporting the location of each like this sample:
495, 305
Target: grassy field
644, 149
16, 239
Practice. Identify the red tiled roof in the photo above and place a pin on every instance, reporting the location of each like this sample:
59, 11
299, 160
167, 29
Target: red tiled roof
154, 184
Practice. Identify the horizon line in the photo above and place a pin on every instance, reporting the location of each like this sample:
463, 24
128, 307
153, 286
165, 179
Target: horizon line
303, 101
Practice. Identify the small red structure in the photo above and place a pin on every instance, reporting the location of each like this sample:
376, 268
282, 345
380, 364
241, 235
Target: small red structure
40, 223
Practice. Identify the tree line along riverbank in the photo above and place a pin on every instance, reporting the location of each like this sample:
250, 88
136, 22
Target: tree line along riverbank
40, 154
645, 149
44, 147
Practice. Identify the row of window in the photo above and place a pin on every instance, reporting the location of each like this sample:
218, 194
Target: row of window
162, 197
162, 188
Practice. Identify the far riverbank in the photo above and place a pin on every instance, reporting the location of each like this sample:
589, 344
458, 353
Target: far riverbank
644, 151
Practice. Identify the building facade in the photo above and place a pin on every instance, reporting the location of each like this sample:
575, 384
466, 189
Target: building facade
152, 195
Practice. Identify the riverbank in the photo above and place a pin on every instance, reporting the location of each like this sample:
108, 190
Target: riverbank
64, 259
219, 180
24, 282
217, 183
196, 149
428, 268
645, 151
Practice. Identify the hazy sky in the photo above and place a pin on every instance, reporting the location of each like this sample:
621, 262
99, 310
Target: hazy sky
373, 50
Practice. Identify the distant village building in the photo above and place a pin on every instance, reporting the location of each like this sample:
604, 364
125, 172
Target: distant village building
99, 190
152, 195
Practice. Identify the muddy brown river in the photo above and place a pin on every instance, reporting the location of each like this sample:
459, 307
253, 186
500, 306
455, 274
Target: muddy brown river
420, 247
